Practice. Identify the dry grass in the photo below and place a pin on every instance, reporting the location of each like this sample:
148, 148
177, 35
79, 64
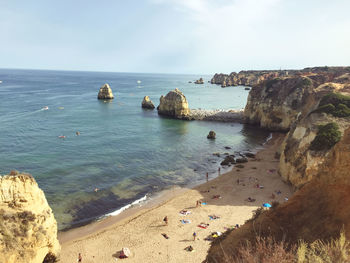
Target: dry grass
267, 250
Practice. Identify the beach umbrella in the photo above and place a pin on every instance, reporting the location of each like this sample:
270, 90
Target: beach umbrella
266, 205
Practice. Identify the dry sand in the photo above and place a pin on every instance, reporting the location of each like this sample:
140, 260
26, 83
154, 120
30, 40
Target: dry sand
142, 231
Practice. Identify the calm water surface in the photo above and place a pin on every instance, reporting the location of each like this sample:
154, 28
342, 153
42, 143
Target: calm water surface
123, 150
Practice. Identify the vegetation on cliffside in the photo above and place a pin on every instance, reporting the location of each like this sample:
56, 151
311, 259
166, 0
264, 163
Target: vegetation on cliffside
335, 104
327, 136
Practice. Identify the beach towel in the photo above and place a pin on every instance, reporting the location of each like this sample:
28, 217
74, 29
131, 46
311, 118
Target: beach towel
214, 217
203, 225
183, 221
204, 203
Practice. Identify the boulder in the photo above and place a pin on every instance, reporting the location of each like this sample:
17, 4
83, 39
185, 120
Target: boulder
147, 103
174, 105
228, 160
28, 229
249, 155
199, 81
105, 93
211, 135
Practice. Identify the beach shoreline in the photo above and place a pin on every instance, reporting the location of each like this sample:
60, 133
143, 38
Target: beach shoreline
137, 227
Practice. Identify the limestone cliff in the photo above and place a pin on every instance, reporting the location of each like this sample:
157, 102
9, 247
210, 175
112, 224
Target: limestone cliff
28, 229
246, 78
174, 104
275, 104
301, 158
105, 93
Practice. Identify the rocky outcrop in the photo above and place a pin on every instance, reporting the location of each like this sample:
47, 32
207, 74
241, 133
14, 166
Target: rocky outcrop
217, 115
246, 78
276, 104
28, 229
174, 105
199, 81
105, 93
147, 103
211, 135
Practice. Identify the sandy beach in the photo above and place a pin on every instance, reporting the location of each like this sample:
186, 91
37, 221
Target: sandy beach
141, 230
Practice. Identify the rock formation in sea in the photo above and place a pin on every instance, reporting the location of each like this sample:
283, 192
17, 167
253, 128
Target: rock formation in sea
199, 81
28, 229
174, 105
105, 93
211, 135
147, 103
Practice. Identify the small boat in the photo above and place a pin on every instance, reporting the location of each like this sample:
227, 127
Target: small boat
62, 137
138, 82
0, 81
45, 108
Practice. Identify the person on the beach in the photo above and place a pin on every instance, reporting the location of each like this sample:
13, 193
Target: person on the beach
96, 189
219, 170
80, 259
166, 220
207, 176
194, 236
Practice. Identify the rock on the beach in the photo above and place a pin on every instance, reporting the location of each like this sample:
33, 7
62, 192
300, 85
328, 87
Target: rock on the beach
147, 103
175, 105
199, 81
105, 93
242, 160
249, 155
211, 135
228, 160
28, 229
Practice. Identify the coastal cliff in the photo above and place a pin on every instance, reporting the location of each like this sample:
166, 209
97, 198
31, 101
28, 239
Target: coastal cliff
314, 157
28, 229
174, 105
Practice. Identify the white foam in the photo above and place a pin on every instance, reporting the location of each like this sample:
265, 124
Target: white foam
117, 212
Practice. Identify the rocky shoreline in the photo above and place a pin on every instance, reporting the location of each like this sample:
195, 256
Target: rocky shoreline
217, 115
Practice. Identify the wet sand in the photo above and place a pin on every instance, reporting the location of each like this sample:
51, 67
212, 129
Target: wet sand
141, 229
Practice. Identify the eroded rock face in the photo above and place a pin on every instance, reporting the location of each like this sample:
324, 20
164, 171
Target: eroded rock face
105, 93
28, 229
147, 103
199, 81
211, 135
174, 104
276, 104
299, 162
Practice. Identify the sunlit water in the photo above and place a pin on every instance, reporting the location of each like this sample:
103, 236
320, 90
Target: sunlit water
123, 150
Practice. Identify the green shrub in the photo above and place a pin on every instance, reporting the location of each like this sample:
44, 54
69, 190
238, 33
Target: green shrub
326, 137
336, 104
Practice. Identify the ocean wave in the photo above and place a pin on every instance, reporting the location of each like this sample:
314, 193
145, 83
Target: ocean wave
122, 209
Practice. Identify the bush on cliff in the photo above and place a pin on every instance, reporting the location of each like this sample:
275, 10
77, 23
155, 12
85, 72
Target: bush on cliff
336, 104
326, 137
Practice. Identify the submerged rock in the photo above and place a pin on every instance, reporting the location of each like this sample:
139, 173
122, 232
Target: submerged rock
211, 135
105, 93
147, 103
28, 229
242, 160
175, 105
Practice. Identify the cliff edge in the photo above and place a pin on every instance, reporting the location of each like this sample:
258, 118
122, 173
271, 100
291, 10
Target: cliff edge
28, 229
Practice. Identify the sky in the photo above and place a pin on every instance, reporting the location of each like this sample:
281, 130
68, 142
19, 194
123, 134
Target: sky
174, 36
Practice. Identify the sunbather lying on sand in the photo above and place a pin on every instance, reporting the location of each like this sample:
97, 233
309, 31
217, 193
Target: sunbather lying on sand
185, 212
216, 197
213, 217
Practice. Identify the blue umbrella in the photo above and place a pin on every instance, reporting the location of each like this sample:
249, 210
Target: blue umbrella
266, 205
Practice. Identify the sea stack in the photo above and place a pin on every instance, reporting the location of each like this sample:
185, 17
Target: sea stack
28, 229
147, 103
175, 105
199, 81
105, 93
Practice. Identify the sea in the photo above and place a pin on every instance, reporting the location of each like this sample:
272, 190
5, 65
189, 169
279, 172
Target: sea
126, 153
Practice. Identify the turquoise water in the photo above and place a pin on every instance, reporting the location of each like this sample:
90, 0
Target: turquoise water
123, 150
